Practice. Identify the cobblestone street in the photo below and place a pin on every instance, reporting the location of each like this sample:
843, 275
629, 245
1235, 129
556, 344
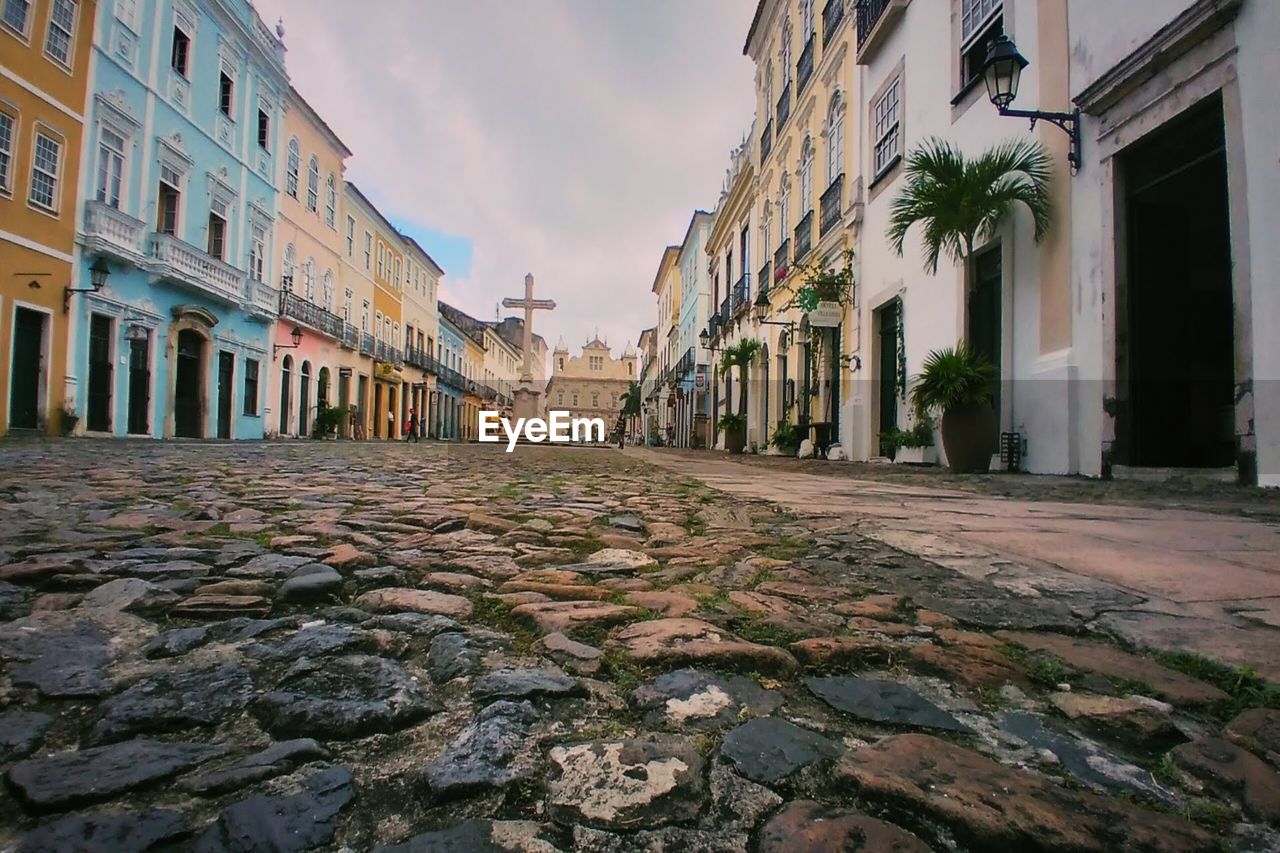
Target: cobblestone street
328, 645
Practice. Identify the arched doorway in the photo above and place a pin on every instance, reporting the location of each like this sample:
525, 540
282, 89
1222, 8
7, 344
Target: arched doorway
322, 389
286, 374
304, 399
188, 390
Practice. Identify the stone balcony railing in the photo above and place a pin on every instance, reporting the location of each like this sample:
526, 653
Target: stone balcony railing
109, 231
262, 299
183, 263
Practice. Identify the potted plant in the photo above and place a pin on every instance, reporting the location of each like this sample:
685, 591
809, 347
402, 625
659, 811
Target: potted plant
960, 384
67, 420
786, 438
328, 418
915, 446
735, 432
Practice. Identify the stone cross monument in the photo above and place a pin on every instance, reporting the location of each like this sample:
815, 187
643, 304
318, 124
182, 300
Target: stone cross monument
526, 404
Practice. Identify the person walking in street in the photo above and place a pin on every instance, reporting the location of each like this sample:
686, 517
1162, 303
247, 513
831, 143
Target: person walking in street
413, 426
391, 425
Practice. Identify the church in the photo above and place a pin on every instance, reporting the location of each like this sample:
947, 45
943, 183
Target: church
591, 385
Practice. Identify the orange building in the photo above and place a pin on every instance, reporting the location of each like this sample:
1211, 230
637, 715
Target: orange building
44, 62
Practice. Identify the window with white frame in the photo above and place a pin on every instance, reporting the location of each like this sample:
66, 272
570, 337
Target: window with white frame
368, 251
44, 171
309, 280
835, 138
766, 239
328, 290
786, 54
6, 152
286, 273
397, 274
330, 202
377, 326
768, 90
168, 199
291, 173
364, 316
17, 13
382, 257
226, 90
981, 22
62, 27
264, 128
257, 253
217, 233
111, 148
806, 16
127, 13
313, 184
784, 207
180, 56
806, 175
346, 305
887, 112
351, 236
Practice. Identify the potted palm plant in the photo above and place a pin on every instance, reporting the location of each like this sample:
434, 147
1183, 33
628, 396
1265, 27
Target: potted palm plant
960, 384
735, 432
739, 355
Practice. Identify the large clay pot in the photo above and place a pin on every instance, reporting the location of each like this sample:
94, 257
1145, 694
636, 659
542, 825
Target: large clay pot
735, 440
969, 437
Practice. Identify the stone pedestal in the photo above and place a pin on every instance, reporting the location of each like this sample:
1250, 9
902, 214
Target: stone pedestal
526, 403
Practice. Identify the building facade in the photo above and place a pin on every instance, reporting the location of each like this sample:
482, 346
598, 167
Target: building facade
45, 54
451, 384
183, 136
692, 361
666, 291
590, 385
421, 328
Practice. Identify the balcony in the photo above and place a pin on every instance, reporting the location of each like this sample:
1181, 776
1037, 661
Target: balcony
383, 351
780, 259
263, 300
725, 310
766, 141
762, 277
183, 263
107, 231
875, 18
350, 337
325, 322
784, 105
832, 16
366, 344
830, 205
804, 236
804, 68
741, 294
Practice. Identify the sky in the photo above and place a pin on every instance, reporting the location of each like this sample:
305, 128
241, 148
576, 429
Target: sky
571, 139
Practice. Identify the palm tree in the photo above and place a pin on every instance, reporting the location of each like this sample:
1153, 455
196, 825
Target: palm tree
740, 355
961, 201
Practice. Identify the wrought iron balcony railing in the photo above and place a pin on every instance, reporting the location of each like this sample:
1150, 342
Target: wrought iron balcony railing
762, 278
725, 310
804, 236
804, 68
384, 351
766, 141
780, 259
784, 105
831, 202
869, 13
832, 16
297, 308
741, 294
366, 343
350, 336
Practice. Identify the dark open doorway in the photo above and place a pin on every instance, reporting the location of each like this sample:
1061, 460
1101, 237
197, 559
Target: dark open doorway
139, 386
889, 317
188, 386
226, 392
1175, 326
28, 364
100, 373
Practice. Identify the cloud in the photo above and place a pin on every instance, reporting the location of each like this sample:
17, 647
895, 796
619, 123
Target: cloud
567, 138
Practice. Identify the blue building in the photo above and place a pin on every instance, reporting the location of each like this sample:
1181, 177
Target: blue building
695, 296
181, 152
451, 384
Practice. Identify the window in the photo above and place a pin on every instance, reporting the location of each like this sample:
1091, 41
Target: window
595, 401
181, 54
168, 200
328, 290
217, 234
364, 316
786, 55
62, 23
257, 252
981, 22
225, 90
264, 130
110, 167
784, 205
309, 280
346, 306
291, 174
806, 16
351, 237
286, 275
44, 172
382, 254
250, 386
835, 139
888, 139
6, 151
560, 398
377, 325
397, 278
806, 179
313, 184
127, 12
15, 15
575, 401
368, 251
330, 202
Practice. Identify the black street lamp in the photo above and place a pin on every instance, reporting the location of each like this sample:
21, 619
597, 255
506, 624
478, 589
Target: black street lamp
1002, 73
296, 335
761, 309
98, 275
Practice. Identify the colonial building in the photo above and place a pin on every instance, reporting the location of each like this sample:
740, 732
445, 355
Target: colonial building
666, 290
451, 382
590, 385
45, 55
692, 361
183, 138
648, 379
421, 327
324, 368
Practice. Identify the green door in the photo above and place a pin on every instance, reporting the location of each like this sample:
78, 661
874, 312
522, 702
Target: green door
890, 318
985, 307
24, 381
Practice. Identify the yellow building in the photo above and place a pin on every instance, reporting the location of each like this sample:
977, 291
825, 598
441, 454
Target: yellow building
323, 369
418, 312
44, 62
472, 368
591, 385
378, 263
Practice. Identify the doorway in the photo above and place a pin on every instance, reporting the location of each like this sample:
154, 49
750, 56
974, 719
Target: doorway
100, 371
226, 374
304, 399
377, 410
888, 322
986, 305
28, 369
188, 387
286, 371
1175, 325
140, 386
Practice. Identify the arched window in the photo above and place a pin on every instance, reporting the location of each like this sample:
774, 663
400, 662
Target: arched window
806, 175
806, 16
328, 290
295, 162
768, 89
835, 138
784, 206
786, 54
309, 280
330, 202
286, 273
313, 183
766, 235
377, 326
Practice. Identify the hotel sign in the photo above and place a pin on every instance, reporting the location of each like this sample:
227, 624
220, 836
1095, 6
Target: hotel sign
827, 315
